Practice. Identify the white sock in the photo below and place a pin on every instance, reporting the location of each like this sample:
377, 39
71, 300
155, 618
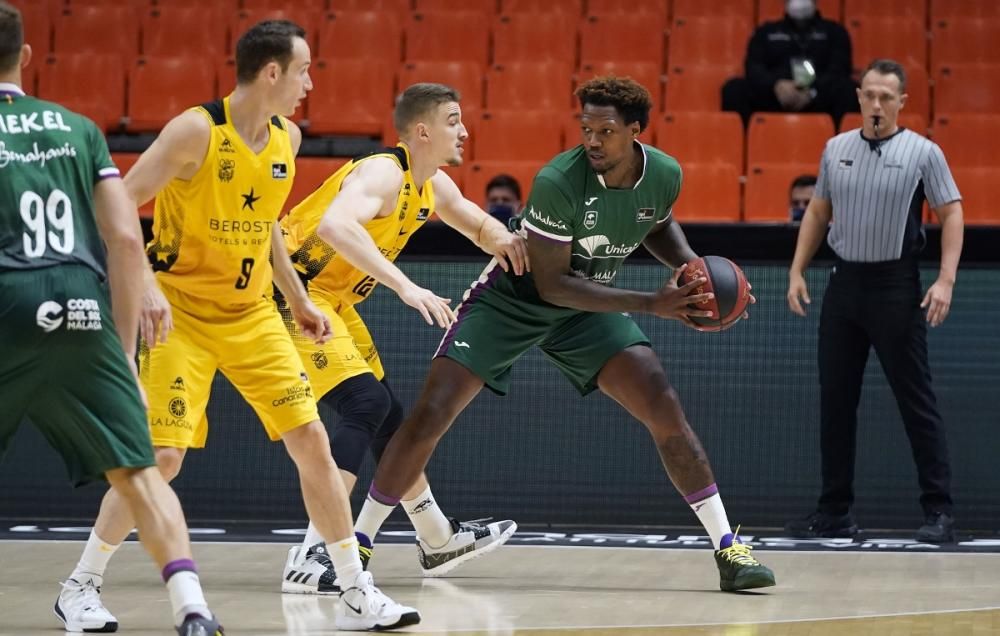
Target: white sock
427, 519
94, 559
186, 596
373, 515
346, 560
712, 514
312, 538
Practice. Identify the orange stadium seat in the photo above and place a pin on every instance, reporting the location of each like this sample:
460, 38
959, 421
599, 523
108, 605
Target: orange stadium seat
512, 135
978, 187
125, 161
962, 139
770, 10
567, 7
781, 138
367, 35
657, 7
484, 6
944, 9
385, 7
350, 96
766, 197
710, 193
466, 77
100, 29
964, 41
916, 122
310, 173
479, 174
636, 38
161, 87
246, 18
916, 9
37, 28
530, 85
686, 9
92, 85
710, 137
967, 88
459, 36
900, 39
646, 73
309, 5
708, 41
697, 87
203, 29
534, 37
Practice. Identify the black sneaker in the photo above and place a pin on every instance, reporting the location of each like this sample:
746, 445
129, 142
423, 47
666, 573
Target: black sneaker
198, 625
938, 528
738, 570
822, 525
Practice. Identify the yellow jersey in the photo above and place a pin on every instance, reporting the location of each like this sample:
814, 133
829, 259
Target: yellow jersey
319, 264
212, 233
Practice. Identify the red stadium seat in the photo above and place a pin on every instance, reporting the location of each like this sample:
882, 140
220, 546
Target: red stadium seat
646, 73
687, 9
385, 7
767, 190
913, 121
37, 23
781, 138
657, 7
964, 41
636, 38
448, 36
362, 35
978, 187
708, 41
903, 9
961, 138
479, 174
710, 193
530, 85
310, 173
697, 88
517, 135
534, 37
112, 30
967, 88
350, 97
162, 87
92, 85
710, 137
900, 39
946, 9
483, 6
258, 5
466, 77
571, 8
203, 29
770, 10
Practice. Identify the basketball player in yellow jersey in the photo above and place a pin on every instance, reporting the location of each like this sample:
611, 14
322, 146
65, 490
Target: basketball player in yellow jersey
220, 174
343, 240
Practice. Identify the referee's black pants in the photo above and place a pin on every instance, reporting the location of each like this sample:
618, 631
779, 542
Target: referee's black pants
877, 305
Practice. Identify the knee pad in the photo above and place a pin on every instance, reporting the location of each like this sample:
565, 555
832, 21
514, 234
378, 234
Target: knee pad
363, 404
389, 425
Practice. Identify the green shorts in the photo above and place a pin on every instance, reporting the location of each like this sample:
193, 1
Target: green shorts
64, 368
495, 329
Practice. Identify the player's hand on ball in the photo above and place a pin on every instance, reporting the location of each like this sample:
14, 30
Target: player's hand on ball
432, 307
312, 322
156, 319
673, 302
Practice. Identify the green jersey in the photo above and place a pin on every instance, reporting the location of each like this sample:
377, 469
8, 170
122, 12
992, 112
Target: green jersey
50, 159
569, 203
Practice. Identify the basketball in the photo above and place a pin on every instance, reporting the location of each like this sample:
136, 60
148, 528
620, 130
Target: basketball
727, 281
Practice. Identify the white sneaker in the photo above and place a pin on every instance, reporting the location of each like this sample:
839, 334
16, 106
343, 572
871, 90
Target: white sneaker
363, 607
311, 573
79, 607
471, 539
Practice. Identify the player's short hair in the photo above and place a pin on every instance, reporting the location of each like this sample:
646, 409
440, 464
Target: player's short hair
802, 181
265, 42
505, 181
11, 36
629, 97
887, 67
419, 99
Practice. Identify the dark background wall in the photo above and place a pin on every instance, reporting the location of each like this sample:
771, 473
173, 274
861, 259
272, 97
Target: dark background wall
543, 455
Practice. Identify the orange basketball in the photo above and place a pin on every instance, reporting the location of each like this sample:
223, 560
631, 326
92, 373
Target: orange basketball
727, 281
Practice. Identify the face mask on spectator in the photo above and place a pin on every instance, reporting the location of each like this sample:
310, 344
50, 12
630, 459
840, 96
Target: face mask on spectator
800, 9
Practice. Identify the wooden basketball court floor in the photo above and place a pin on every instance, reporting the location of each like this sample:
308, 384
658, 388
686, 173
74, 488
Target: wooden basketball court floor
543, 591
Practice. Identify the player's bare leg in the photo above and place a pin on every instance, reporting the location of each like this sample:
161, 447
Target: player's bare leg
635, 378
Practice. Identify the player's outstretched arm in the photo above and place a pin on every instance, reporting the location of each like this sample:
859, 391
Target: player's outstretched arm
369, 192
811, 232
669, 245
489, 234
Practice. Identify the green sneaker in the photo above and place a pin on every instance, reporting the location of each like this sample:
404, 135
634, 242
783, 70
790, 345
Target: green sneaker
738, 570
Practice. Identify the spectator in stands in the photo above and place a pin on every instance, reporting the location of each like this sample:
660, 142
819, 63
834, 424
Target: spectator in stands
799, 194
801, 63
503, 197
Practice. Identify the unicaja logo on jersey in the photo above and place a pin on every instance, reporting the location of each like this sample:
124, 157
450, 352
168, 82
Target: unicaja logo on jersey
598, 246
49, 316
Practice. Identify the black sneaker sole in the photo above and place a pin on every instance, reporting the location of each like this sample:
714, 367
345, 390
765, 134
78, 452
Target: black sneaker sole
405, 620
748, 583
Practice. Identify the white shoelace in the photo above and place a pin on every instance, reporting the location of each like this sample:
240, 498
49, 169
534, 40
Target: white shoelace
87, 596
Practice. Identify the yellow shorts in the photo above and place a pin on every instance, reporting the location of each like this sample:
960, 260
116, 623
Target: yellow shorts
350, 352
252, 349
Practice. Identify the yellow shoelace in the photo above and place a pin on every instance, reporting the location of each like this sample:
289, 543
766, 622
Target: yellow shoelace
739, 553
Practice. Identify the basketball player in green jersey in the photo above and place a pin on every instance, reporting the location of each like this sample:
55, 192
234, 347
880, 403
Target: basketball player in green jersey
68, 348
589, 208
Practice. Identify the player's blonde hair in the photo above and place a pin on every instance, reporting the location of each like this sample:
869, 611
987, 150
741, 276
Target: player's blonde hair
418, 100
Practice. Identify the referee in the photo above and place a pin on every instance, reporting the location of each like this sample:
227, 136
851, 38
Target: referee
872, 184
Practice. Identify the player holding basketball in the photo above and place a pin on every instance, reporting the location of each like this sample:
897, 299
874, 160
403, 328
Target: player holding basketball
343, 240
68, 348
220, 174
589, 209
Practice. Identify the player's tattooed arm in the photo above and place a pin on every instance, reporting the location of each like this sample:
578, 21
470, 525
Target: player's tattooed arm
668, 244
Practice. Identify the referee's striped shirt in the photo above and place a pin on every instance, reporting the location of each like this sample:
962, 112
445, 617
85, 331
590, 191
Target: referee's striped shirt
877, 193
